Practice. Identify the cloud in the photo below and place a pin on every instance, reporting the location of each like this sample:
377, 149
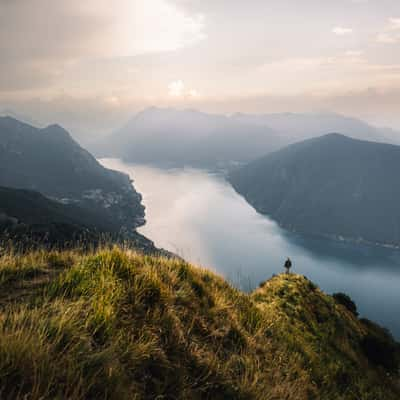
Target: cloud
193, 93
394, 24
354, 53
40, 40
341, 31
189, 52
160, 26
176, 88
386, 38
391, 32
331, 74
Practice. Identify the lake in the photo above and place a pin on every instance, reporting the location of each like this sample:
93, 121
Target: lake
199, 216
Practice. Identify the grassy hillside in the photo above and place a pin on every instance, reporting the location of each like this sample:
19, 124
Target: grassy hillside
117, 324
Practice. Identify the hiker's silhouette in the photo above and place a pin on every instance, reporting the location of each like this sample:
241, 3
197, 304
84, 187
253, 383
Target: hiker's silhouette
288, 265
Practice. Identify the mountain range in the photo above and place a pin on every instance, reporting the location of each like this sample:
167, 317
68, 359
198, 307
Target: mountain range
116, 323
299, 126
333, 185
189, 137
171, 137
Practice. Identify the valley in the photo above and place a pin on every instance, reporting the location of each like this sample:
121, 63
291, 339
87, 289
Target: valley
199, 200
200, 217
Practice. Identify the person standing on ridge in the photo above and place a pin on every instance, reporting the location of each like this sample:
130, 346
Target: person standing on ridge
288, 265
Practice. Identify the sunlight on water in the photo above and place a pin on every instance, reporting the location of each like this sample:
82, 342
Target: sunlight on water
200, 217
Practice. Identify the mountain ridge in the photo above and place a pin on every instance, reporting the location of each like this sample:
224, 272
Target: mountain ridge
29, 220
178, 137
49, 161
117, 324
329, 186
187, 137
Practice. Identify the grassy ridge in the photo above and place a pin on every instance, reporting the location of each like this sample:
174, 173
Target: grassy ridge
118, 324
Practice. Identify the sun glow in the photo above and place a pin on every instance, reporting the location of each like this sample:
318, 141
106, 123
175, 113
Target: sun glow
157, 26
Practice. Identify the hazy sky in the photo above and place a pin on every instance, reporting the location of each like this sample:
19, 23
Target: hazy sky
90, 64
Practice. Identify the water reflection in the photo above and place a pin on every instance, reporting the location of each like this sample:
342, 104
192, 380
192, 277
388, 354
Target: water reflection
200, 217
361, 255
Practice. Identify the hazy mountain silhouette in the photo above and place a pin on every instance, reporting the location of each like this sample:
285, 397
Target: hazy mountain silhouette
168, 136
49, 161
332, 185
27, 119
188, 137
296, 126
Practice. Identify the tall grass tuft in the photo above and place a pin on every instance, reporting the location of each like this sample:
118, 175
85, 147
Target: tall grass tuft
116, 324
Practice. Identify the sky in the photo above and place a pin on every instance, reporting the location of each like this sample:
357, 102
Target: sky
90, 65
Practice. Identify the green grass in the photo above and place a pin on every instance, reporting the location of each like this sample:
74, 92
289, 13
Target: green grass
120, 325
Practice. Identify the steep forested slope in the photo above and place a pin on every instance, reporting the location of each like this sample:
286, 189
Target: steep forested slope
332, 185
29, 219
49, 161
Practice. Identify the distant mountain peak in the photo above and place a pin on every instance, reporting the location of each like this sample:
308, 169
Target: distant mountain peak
333, 186
11, 120
20, 118
336, 135
151, 109
56, 129
48, 160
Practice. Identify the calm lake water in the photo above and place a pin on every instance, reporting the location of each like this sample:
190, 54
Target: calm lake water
200, 217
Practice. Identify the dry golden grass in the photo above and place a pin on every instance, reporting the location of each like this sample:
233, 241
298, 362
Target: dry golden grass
121, 325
